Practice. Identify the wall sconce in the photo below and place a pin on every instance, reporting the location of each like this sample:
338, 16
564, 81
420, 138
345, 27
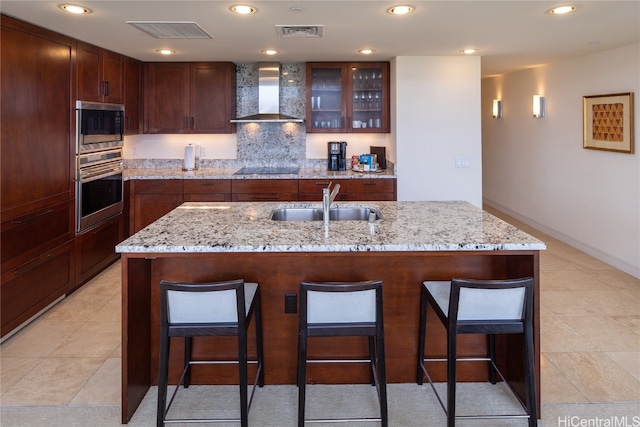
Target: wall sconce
497, 108
538, 106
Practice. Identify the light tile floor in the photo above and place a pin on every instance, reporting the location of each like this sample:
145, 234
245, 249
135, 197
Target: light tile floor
590, 338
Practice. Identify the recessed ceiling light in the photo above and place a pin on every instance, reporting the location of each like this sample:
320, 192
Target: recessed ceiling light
561, 10
243, 9
400, 9
469, 51
366, 51
72, 8
166, 51
270, 52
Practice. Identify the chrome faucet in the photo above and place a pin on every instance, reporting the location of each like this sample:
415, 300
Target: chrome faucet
327, 199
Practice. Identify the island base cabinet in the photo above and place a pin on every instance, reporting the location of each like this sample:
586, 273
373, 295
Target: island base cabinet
278, 274
31, 287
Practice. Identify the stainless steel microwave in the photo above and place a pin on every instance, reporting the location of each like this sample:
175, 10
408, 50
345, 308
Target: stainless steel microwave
99, 126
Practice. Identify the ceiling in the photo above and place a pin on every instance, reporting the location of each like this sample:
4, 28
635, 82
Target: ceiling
510, 35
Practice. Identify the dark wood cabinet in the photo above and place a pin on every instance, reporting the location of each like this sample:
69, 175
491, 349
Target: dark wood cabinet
264, 190
383, 189
36, 173
207, 190
95, 248
152, 199
32, 286
100, 74
132, 97
348, 97
189, 97
310, 190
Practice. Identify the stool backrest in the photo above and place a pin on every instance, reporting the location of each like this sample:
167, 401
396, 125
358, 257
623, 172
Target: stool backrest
490, 299
341, 302
202, 303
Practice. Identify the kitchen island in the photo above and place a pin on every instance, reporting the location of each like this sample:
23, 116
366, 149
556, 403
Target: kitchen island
413, 242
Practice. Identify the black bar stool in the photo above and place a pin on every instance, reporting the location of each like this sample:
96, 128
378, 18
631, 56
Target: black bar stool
343, 309
208, 309
480, 307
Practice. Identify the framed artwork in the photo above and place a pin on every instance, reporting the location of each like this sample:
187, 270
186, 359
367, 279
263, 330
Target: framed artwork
608, 122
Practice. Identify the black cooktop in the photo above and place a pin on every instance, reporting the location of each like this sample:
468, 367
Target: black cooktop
267, 170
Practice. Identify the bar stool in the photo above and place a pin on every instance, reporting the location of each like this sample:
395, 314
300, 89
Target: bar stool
480, 307
342, 309
208, 309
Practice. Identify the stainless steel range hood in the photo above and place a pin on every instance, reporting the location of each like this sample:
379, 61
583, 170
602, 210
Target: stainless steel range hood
268, 97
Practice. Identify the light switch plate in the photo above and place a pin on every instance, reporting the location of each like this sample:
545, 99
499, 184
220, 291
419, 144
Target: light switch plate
463, 162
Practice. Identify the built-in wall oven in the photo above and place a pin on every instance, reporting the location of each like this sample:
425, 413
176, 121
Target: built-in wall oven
99, 176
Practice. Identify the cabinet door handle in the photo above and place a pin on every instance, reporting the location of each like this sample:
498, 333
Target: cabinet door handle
265, 197
107, 88
193, 122
32, 218
30, 267
369, 184
323, 183
186, 123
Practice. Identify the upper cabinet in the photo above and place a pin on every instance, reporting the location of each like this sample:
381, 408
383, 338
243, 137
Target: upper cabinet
100, 74
194, 97
348, 97
132, 97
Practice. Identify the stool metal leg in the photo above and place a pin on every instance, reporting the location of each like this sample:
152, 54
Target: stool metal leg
163, 379
242, 380
187, 359
372, 357
529, 375
382, 378
302, 376
259, 347
492, 357
451, 376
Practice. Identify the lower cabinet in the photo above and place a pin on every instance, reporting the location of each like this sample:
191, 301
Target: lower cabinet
152, 199
207, 190
30, 287
310, 190
95, 248
363, 189
264, 190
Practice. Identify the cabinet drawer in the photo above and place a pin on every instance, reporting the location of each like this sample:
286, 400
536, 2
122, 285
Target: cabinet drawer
28, 235
264, 186
375, 185
32, 286
96, 247
207, 186
158, 186
315, 186
265, 197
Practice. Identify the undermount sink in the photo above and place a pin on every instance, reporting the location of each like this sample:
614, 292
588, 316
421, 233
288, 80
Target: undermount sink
339, 213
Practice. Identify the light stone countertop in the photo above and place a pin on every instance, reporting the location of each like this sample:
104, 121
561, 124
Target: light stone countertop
228, 173
406, 226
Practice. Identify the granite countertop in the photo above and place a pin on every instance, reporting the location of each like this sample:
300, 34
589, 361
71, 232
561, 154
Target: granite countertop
228, 173
406, 226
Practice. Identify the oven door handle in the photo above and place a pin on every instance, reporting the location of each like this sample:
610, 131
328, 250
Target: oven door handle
97, 173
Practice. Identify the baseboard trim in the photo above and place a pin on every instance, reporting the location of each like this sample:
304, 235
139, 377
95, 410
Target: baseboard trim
596, 253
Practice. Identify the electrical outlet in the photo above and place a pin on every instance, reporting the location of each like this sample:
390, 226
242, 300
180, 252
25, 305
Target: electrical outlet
290, 303
463, 162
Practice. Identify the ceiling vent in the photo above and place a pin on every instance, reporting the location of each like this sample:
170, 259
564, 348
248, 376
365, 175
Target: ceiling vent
171, 29
300, 31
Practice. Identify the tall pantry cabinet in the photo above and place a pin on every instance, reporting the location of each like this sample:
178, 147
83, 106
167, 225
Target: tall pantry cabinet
37, 174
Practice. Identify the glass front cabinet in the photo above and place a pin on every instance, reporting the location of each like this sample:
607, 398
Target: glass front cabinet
348, 97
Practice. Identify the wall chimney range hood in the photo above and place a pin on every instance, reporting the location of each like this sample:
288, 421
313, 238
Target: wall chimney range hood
268, 97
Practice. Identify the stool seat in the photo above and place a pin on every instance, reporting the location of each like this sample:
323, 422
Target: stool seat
479, 307
192, 310
342, 309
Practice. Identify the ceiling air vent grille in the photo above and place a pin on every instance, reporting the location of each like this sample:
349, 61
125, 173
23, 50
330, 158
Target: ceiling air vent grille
299, 30
171, 29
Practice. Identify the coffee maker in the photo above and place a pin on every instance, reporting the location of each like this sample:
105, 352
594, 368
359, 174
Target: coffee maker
337, 155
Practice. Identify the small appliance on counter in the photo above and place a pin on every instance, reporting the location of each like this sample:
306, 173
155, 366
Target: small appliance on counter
381, 153
337, 155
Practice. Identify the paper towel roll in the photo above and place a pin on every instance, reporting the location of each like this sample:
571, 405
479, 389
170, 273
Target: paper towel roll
189, 157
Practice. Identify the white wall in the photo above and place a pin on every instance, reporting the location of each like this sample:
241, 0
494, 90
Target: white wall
538, 171
435, 118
